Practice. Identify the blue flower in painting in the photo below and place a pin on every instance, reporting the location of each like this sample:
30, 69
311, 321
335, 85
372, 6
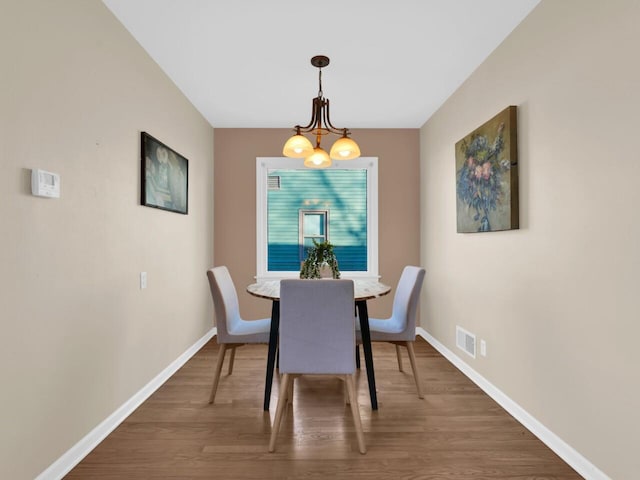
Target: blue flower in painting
479, 179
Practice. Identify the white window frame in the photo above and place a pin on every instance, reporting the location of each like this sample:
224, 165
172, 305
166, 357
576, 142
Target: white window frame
301, 234
264, 164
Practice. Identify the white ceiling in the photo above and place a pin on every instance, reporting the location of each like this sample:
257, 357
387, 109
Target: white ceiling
246, 63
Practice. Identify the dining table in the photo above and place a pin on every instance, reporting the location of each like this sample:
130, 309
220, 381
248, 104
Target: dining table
364, 290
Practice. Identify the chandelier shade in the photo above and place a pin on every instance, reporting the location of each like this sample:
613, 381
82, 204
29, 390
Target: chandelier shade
298, 146
318, 159
344, 149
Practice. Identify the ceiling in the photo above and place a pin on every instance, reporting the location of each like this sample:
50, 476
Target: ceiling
246, 63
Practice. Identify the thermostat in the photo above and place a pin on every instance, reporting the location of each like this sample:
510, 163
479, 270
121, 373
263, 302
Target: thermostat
45, 184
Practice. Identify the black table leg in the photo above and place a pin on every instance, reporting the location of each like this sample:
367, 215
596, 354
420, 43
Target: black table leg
368, 354
273, 345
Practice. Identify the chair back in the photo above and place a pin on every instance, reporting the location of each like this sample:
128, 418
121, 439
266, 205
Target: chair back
317, 327
225, 302
405, 301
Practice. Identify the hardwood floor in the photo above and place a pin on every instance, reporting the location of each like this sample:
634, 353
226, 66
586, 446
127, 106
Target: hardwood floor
455, 432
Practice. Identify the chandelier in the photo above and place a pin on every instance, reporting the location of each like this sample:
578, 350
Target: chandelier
299, 146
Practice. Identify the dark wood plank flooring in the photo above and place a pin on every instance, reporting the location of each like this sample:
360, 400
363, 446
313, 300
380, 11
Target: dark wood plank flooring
455, 432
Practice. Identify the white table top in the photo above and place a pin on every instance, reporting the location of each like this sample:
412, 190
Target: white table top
363, 289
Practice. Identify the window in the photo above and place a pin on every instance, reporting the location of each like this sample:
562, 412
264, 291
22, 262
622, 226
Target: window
313, 225
338, 204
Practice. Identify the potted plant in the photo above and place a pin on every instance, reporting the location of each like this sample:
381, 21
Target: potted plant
320, 257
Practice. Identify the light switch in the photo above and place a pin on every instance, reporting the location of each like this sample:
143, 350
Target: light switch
143, 280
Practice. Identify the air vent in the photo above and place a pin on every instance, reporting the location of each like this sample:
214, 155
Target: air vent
273, 182
466, 341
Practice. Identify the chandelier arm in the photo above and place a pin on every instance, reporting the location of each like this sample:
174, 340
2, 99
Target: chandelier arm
315, 118
329, 126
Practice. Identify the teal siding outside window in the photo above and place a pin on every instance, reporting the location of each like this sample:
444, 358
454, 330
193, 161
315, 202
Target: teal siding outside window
342, 194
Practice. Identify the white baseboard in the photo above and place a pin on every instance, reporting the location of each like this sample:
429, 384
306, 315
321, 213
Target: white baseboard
579, 463
75, 454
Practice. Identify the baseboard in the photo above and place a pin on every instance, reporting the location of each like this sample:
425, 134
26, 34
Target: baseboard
75, 454
579, 463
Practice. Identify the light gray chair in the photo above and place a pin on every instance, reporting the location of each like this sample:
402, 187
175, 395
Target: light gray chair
317, 337
400, 328
233, 331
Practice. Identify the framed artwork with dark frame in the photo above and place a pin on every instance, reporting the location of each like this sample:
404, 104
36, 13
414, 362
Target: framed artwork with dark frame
487, 176
165, 176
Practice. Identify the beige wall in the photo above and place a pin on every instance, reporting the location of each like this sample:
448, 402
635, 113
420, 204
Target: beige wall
235, 203
557, 301
79, 337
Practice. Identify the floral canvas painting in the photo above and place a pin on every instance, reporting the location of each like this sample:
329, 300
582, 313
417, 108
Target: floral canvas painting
487, 176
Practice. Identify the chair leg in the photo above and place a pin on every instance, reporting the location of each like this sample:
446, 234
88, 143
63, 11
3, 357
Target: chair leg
399, 358
355, 412
345, 391
358, 357
216, 378
282, 401
412, 359
231, 359
290, 390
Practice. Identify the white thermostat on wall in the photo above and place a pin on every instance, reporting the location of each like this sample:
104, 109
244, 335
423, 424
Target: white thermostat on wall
45, 184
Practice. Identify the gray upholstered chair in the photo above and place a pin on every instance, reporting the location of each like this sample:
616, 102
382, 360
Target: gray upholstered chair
233, 331
400, 328
317, 337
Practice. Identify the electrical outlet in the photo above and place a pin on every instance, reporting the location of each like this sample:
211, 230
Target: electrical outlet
143, 280
483, 348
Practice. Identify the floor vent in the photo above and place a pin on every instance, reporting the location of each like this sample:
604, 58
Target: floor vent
466, 341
